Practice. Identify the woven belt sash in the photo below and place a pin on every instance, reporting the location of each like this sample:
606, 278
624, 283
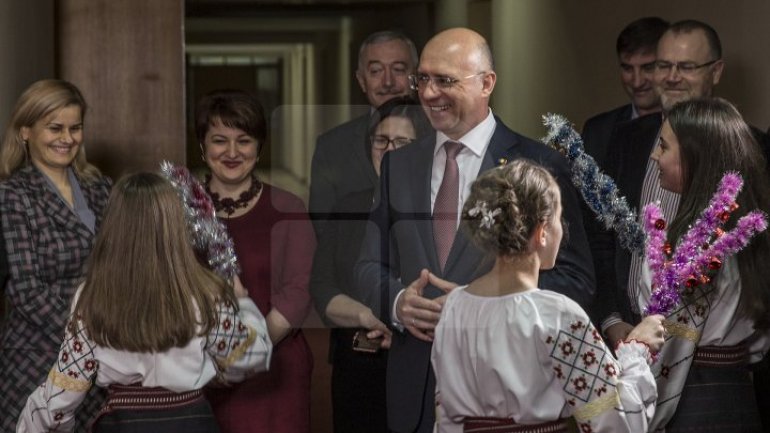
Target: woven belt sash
137, 397
507, 425
722, 356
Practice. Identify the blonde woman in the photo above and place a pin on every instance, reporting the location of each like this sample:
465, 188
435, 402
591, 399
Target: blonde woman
51, 202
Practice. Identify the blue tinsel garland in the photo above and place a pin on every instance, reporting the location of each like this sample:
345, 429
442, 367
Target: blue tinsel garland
599, 190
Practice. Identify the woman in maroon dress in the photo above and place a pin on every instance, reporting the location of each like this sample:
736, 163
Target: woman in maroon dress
274, 243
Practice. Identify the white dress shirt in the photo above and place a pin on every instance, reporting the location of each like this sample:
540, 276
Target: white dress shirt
475, 143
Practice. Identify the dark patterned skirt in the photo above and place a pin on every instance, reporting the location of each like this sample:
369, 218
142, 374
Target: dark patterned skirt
506, 425
717, 398
133, 409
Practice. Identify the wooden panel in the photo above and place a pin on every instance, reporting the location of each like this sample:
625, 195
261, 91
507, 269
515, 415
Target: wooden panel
127, 57
26, 56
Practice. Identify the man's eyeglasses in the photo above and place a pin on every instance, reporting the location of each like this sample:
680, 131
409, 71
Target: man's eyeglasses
381, 142
421, 81
684, 68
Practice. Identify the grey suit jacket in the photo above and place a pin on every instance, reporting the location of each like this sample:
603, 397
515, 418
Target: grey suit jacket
47, 246
399, 244
340, 166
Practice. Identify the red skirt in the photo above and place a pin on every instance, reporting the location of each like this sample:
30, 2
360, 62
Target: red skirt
277, 400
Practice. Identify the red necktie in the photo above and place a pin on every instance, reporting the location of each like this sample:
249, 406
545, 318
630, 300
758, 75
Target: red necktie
445, 207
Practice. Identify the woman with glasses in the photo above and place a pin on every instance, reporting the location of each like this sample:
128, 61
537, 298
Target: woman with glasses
358, 335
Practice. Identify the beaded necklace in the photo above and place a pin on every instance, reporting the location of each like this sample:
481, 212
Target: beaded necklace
229, 205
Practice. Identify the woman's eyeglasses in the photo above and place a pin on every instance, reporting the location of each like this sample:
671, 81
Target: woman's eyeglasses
381, 142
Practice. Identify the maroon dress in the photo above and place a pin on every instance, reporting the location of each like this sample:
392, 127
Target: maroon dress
274, 242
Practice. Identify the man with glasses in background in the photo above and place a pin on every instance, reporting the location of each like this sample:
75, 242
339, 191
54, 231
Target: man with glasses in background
341, 163
689, 65
421, 256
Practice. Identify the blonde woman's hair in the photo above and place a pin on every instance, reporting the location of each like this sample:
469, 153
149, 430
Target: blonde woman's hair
145, 290
526, 195
37, 102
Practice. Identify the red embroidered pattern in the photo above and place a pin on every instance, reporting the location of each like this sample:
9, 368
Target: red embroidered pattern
229, 335
610, 370
582, 362
76, 355
580, 383
566, 348
589, 358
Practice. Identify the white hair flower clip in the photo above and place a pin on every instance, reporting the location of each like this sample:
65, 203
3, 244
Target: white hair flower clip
487, 216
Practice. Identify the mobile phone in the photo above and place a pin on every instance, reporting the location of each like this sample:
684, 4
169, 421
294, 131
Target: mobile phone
362, 343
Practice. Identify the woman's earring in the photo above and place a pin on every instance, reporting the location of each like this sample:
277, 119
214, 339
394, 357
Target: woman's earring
203, 154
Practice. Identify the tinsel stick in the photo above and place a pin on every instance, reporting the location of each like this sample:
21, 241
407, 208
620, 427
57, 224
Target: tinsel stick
715, 214
701, 250
208, 234
598, 190
656, 237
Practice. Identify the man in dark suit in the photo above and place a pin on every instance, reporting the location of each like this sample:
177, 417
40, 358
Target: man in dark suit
635, 47
341, 162
406, 254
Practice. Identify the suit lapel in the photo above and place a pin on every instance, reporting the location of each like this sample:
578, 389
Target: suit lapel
634, 165
96, 196
55, 206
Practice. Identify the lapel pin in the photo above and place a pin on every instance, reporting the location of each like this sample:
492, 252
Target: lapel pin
502, 161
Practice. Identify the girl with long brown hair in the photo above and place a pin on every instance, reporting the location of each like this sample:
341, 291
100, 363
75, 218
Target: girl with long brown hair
723, 325
149, 322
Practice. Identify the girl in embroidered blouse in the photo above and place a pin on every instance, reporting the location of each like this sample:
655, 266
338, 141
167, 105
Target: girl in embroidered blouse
722, 326
508, 354
149, 321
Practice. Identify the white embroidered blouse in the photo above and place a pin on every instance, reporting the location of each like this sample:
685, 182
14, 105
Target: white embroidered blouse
236, 348
535, 357
708, 318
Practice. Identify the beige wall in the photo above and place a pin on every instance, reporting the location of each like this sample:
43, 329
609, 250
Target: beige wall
563, 54
26, 49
